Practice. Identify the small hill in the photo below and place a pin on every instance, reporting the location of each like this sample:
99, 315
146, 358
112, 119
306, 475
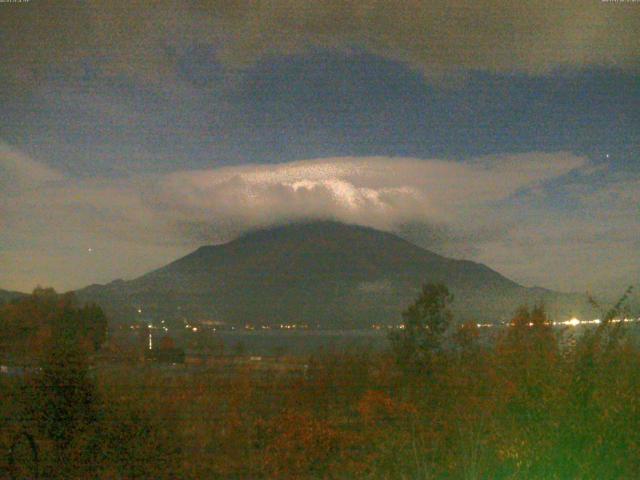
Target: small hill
8, 295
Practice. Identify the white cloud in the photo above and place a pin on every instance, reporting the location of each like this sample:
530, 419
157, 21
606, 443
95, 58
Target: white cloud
19, 172
377, 191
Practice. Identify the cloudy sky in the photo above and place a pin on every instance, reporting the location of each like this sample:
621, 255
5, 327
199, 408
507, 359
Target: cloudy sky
504, 132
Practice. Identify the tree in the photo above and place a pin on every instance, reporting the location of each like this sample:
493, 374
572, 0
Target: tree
93, 323
529, 369
422, 332
58, 402
30, 324
466, 336
529, 331
64, 391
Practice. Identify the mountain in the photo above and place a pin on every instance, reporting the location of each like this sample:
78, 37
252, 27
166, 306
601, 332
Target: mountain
324, 274
7, 295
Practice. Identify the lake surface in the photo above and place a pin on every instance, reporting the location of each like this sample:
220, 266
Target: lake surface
302, 342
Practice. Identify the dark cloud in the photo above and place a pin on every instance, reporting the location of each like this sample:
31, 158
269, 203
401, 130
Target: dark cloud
41, 39
442, 36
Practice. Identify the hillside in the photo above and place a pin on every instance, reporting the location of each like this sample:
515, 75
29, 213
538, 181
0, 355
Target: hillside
7, 295
322, 274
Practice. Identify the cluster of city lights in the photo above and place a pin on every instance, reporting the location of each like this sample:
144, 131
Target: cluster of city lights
573, 322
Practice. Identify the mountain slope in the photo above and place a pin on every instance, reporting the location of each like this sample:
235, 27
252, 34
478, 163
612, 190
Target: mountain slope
323, 273
7, 296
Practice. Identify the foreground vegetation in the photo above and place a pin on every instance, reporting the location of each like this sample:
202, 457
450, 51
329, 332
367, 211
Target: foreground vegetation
439, 404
